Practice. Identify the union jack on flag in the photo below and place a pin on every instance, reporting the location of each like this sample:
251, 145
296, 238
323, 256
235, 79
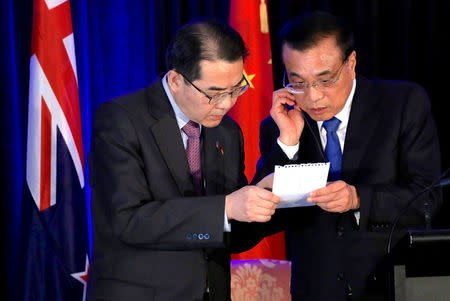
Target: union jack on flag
56, 261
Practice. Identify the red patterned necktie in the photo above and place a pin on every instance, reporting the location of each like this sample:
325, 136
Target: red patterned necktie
192, 130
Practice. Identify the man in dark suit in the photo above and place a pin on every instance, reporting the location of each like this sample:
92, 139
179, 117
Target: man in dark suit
381, 141
167, 177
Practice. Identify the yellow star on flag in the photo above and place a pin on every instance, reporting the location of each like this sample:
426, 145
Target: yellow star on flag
249, 79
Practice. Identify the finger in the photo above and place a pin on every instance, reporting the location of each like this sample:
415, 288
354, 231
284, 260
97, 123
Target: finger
261, 218
260, 211
341, 202
284, 92
267, 195
265, 204
326, 198
319, 192
296, 115
283, 98
275, 199
330, 188
281, 103
334, 210
266, 182
259, 214
335, 206
297, 107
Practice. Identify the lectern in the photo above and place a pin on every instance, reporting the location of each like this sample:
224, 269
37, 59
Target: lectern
420, 266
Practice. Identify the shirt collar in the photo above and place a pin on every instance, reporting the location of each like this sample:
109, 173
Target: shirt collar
344, 114
182, 119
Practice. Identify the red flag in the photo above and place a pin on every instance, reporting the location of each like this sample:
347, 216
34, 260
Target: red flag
250, 19
54, 209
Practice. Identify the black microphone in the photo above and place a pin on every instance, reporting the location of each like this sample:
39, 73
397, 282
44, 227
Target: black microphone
316, 139
439, 182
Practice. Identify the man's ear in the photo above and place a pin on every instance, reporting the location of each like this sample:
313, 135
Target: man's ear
352, 63
174, 80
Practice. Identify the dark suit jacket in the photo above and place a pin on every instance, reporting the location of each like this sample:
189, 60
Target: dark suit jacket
153, 239
391, 152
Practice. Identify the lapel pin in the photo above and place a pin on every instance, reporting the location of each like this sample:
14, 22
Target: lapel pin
219, 147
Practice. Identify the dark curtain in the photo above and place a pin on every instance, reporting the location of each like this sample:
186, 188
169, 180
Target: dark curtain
120, 47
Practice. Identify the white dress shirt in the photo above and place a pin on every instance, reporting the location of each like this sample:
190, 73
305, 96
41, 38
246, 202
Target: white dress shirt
292, 151
182, 120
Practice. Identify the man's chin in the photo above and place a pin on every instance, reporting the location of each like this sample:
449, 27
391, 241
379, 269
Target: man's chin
212, 121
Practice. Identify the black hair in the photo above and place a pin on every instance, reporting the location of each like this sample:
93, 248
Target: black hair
203, 40
306, 30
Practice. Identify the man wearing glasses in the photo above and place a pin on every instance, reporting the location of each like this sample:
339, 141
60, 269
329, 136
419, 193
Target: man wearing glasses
382, 145
167, 177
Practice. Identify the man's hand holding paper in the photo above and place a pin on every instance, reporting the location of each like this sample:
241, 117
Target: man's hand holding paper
294, 183
301, 185
335, 197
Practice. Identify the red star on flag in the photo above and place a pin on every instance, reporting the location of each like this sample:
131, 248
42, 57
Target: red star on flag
83, 277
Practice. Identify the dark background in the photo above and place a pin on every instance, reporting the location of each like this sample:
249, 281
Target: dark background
120, 47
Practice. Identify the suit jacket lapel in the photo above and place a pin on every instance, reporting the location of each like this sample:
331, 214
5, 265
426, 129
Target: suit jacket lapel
164, 128
212, 161
364, 117
314, 152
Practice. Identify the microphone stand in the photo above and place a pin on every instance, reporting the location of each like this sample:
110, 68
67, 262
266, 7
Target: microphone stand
435, 183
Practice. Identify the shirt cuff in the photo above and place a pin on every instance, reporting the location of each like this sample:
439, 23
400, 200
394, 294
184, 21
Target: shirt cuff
226, 224
357, 216
290, 150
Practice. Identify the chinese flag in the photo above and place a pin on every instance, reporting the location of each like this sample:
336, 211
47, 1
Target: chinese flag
249, 18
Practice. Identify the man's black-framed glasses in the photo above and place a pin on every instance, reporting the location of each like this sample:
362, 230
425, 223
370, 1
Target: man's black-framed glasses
321, 84
218, 98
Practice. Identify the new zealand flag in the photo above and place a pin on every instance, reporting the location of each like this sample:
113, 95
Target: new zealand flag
54, 208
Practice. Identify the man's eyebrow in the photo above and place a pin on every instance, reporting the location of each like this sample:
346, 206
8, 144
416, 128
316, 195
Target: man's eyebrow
325, 72
214, 88
294, 74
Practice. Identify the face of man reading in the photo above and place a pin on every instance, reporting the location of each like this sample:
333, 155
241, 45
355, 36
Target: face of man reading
216, 77
323, 62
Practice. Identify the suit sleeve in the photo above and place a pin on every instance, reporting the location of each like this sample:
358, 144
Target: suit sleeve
271, 155
244, 236
418, 165
124, 206
271, 152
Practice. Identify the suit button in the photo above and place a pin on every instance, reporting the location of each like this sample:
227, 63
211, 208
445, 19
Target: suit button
206, 236
340, 231
340, 276
194, 236
200, 236
189, 236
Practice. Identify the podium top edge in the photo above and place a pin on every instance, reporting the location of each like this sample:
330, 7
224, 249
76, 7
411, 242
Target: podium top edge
429, 236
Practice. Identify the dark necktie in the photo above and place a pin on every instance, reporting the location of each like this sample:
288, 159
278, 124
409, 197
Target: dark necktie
333, 151
192, 130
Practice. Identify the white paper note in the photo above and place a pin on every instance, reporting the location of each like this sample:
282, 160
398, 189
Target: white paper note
294, 183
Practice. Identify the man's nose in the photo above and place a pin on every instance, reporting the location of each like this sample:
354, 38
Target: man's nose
227, 103
314, 94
